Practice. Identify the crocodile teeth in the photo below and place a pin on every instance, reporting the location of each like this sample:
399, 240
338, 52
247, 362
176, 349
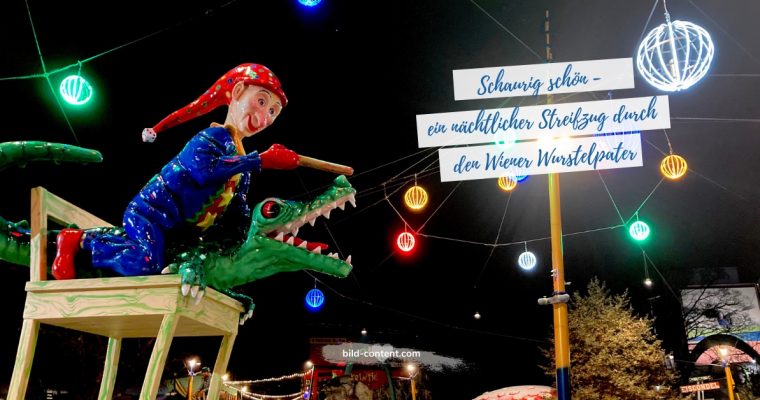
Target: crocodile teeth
333, 255
290, 240
302, 245
348, 259
279, 236
352, 199
311, 221
342, 206
295, 232
327, 213
317, 250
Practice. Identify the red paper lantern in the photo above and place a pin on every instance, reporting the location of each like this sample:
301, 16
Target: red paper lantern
405, 242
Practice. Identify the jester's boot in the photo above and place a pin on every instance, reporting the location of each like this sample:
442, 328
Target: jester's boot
68, 245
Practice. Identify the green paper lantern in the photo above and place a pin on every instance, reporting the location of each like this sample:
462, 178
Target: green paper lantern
639, 230
76, 90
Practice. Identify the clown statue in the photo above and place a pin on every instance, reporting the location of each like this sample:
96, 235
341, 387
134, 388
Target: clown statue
203, 186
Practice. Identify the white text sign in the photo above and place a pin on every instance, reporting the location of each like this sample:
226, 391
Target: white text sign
541, 157
538, 79
533, 122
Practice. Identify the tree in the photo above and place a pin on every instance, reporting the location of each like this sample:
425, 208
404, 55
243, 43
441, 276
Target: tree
613, 353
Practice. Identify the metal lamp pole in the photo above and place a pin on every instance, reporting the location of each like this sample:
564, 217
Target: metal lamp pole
727, 368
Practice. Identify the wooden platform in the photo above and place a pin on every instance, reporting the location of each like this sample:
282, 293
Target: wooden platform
118, 308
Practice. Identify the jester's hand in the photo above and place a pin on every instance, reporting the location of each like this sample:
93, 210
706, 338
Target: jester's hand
279, 157
190, 269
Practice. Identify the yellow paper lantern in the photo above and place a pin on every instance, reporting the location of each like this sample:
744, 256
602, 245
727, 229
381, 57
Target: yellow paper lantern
416, 198
507, 183
673, 167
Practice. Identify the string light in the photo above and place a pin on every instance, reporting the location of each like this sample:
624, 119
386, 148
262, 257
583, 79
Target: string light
507, 183
416, 198
405, 242
297, 375
673, 167
521, 178
527, 260
675, 55
477, 315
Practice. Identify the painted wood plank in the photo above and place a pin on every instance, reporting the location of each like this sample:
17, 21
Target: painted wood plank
220, 366
158, 357
110, 368
24, 356
38, 243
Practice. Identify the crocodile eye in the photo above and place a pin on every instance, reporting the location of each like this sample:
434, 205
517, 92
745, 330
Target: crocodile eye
270, 209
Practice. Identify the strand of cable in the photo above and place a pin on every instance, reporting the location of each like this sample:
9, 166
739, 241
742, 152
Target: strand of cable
47, 76
708, 179
635, 213
507, 30
654, 266
709, 119
736, 75
736, 42
522, 241
206, 12
498, 235
420, 318
644, 30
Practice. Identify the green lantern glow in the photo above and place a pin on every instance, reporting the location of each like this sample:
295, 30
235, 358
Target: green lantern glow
76, 90
639, 230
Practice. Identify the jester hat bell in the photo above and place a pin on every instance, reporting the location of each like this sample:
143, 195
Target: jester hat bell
220, 93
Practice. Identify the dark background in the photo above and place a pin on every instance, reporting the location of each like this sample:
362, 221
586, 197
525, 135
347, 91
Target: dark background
356, 74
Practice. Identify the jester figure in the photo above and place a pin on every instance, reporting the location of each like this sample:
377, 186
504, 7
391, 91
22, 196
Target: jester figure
203, 186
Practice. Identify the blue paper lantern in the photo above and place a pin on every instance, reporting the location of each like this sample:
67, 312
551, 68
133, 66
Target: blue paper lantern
315, 298
309, 3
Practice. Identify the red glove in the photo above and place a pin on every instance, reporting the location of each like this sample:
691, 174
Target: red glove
279, 157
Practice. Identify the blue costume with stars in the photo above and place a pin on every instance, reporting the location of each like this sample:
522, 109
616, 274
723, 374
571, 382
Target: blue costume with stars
191, 192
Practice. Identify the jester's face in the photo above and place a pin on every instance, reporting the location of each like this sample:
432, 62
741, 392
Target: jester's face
252, 109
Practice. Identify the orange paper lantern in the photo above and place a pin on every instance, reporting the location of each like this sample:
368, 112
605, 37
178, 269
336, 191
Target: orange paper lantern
673, 167
416, 198
507, 183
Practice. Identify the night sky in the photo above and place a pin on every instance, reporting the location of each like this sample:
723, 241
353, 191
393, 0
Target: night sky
356, 74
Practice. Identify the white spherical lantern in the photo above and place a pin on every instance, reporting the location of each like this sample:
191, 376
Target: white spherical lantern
675, 55
527, 260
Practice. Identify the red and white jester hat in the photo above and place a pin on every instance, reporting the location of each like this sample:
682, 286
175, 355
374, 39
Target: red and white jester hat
220, 94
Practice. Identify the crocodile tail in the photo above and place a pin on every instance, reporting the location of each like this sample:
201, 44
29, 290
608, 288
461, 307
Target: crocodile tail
14, 242
21, 152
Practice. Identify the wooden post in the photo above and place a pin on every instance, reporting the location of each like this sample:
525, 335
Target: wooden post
24, 357
158, 357
109, 369
220, 366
